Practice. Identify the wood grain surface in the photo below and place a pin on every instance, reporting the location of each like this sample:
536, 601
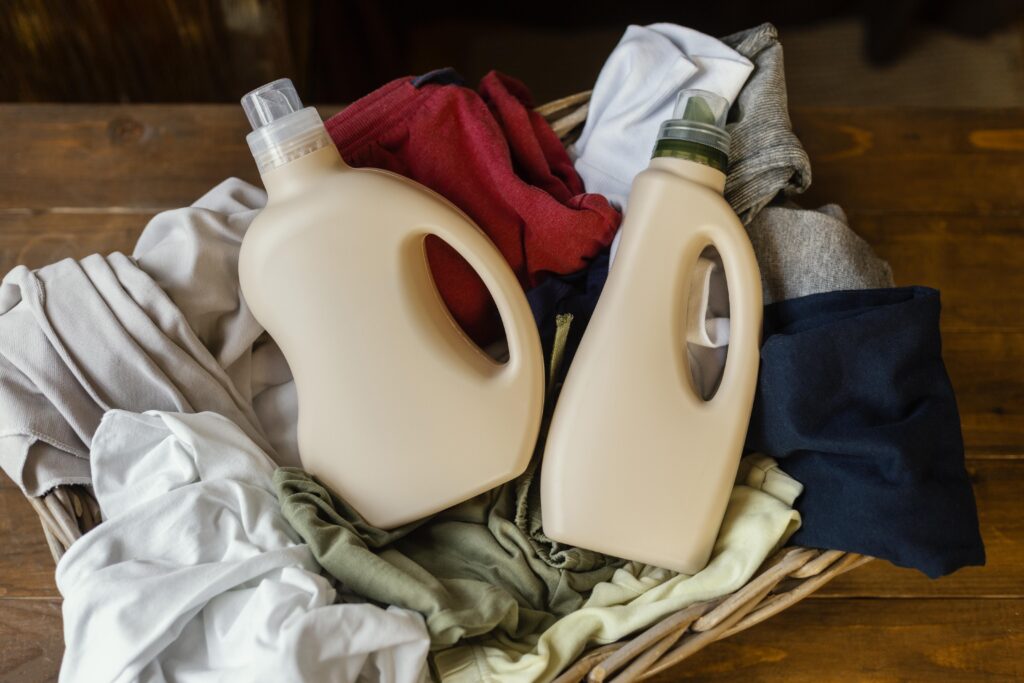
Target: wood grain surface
940, 194
51, 50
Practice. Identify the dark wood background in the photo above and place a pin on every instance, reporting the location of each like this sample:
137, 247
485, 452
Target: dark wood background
338, 50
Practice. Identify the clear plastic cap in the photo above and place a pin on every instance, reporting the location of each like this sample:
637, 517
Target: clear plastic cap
282, 129
697, 129
271, 102
701, 106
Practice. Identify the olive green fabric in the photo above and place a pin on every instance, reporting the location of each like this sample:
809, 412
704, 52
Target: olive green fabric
472, 572
759, 519
469, 570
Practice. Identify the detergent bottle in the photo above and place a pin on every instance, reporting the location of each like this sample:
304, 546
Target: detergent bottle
637, 464
400, 413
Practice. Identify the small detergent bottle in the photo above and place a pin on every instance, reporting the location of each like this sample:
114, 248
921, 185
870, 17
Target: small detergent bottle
637, 465
400, 413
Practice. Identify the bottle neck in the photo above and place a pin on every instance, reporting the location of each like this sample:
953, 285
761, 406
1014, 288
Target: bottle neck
299, 174
694, 171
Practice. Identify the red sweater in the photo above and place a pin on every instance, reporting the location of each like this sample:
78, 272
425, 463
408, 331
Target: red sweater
491, 155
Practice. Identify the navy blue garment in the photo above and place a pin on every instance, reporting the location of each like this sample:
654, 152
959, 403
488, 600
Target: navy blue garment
575, 294
854, 401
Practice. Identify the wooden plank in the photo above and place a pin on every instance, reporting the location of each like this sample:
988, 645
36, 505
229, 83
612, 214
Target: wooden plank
33, 640
926, 161
837, 134
876, 640
987, 370
947, 184
26, 566
977, 263
152, 156
35, 239
147, 157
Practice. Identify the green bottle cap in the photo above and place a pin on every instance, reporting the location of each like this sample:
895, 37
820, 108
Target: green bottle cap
696, 130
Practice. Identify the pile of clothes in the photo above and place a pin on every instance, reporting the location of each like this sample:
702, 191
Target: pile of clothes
148, 378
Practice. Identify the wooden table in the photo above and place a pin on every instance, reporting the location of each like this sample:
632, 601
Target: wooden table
940, 194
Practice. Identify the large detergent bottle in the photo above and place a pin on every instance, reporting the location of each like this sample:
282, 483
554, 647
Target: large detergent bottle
400, 413
637, 464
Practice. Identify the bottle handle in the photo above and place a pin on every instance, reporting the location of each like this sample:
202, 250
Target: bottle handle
524, 349
746, 309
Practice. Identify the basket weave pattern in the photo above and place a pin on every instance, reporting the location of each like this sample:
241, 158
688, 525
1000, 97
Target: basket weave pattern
789, 576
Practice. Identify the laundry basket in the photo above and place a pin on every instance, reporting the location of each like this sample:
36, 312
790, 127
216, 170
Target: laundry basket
786, 578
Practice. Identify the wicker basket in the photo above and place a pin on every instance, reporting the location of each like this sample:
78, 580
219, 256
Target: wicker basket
792, 574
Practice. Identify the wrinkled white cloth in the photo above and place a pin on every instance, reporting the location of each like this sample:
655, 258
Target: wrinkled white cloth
165, 330
200, 244
636, 91
195, 576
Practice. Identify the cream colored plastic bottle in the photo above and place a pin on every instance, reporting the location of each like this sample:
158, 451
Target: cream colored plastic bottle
399, 412
636, 464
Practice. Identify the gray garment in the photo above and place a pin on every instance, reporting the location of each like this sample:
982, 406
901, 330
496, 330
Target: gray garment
192, 253
765, 156
799, 252
78, 338
803, 252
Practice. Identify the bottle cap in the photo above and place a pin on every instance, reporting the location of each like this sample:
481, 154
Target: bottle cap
282, 129
271, 102
696, 130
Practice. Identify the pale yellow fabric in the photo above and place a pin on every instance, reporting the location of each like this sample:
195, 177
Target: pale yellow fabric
760, 518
